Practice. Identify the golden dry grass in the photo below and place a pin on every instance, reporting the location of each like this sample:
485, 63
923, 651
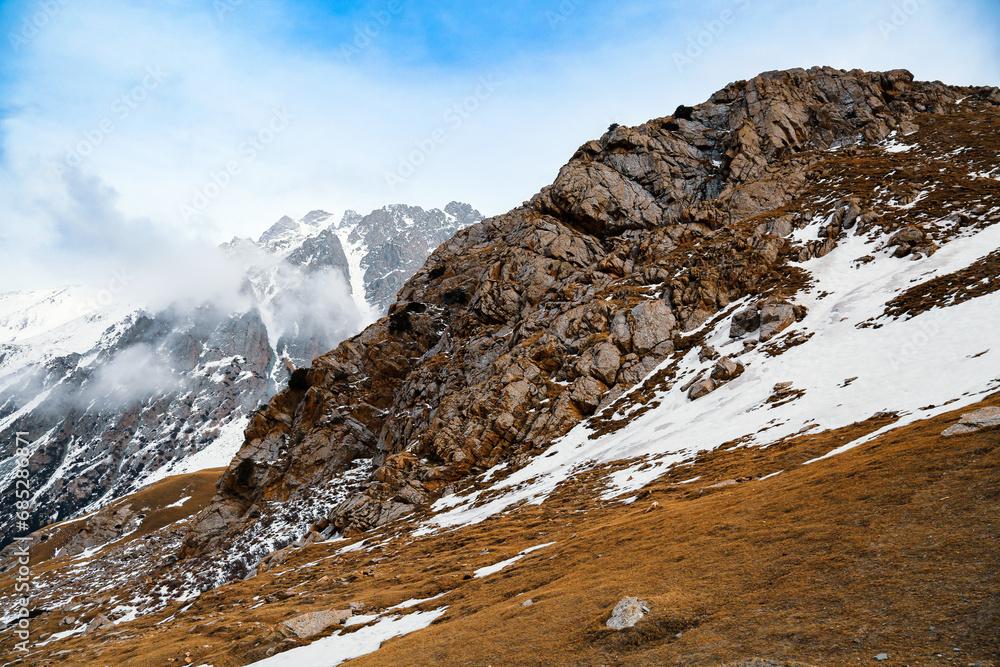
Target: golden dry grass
826, 564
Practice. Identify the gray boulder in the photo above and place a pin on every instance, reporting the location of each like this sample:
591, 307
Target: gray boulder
313, 623
775, 317
627, 613
974, 421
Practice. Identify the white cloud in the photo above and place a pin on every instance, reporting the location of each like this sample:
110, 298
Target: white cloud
352, 123
134, 374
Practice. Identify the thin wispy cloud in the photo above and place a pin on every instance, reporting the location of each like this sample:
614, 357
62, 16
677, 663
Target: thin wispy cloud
154, 104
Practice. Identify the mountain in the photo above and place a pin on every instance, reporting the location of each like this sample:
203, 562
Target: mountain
391, 244
725, 393
115, 396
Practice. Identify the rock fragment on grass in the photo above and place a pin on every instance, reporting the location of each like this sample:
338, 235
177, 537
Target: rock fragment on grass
627, 613
974, 421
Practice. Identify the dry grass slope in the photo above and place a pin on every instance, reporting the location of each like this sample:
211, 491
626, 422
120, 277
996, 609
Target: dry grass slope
887, 548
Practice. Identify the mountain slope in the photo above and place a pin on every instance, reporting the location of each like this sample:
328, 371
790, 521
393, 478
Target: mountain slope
523, 325
114, 396
764, 313
746, 552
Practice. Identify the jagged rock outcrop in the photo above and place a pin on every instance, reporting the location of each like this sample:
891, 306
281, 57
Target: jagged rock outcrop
522, 325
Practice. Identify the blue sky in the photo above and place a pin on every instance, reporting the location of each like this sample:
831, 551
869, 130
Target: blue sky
152, 121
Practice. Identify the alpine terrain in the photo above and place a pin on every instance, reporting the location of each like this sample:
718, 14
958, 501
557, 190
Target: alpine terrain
116, 396
726, 393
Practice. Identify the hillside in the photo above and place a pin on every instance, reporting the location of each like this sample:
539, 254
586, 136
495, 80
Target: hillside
739, 362
114, 395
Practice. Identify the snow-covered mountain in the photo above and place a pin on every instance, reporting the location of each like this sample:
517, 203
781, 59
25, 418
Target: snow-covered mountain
114, 395
733, 376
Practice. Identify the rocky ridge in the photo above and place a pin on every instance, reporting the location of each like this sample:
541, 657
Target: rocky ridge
113, 396
523, 325
751, 466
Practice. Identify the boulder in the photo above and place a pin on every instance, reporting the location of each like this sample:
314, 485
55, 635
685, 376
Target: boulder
701, 388
652, 324
775, 317
586, 394
313, 623
744, 322
727, 369
974, 421
907, 236
851, 213
627, 613
602, 362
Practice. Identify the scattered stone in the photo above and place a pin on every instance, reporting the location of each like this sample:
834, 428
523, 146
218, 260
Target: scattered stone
277, 596
527, 603
727, 369
98, 622
882, 656
627, 613
313, 623
701, 388
69, 620
974, 421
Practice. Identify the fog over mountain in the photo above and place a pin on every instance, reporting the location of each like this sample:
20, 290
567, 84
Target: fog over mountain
158, 372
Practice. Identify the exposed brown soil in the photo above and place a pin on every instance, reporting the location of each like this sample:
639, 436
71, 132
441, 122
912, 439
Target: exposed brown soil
888, 548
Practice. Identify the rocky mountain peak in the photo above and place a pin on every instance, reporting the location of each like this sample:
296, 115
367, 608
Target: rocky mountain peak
709, 163
318, 217
520, 327
751, 322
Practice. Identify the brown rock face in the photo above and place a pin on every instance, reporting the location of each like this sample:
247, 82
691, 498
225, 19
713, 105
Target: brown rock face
522, 325
775, 317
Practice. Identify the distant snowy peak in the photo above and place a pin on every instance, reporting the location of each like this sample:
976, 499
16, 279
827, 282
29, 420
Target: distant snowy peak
376, 253
40, 325
115, 394
387, 246
397, 219
287, 234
